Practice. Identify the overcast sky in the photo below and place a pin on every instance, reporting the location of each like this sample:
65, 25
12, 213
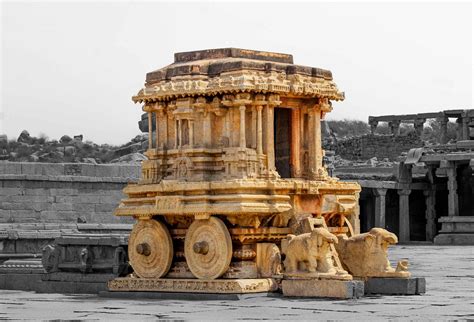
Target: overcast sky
71, 68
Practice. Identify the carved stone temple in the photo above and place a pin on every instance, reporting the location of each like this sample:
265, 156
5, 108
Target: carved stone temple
234, 196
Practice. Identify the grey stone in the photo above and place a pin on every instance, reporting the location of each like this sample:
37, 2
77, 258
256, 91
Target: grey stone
395, 286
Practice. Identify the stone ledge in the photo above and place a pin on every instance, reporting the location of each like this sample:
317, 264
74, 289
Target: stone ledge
454, 239
218, 286
182, 296
395, 286
323, 288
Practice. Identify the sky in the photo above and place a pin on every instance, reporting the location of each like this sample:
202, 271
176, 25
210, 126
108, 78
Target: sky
72, 67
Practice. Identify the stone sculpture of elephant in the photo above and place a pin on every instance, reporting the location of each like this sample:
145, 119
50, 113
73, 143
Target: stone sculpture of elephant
311, 250
366, 255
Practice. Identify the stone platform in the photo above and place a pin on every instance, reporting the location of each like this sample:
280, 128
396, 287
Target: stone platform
395, 286
323, 288
448, 272
456, 230
219, 286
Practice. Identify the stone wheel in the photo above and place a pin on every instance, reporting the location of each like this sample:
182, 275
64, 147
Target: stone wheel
150, 249
208, 248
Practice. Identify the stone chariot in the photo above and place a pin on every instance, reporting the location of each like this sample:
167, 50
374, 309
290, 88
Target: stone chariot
235, 177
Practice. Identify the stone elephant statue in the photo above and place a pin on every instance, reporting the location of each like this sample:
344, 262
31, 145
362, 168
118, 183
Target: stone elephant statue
309, 249
366, 255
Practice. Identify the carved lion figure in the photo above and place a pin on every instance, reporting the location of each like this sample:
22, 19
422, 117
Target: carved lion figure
365, 255
309, 249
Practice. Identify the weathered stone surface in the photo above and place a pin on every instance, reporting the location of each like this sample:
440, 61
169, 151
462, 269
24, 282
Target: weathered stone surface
323, 288
395, 286
220, 286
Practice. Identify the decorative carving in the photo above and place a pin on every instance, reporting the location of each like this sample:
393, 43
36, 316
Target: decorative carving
365, 255
193, 285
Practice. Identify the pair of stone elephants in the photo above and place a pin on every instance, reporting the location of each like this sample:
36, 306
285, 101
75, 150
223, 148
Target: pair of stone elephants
363, 255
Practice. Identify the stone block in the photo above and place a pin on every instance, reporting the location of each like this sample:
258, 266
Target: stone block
89, 170
395, 286
31, 168
454, 239
52, 169
106, 207
10, 168
107, 170
37, 192
11, 192
323, 288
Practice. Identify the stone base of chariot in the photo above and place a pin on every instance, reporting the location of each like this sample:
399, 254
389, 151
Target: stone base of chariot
395, 286
323, 288
174, 285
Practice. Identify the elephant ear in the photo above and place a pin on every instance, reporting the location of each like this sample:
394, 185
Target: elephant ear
370, 239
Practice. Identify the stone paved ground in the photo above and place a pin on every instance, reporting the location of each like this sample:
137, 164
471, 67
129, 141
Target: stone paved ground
449, 272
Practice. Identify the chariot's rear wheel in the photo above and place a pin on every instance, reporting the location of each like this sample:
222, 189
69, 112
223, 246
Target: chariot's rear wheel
150, 249
208, 248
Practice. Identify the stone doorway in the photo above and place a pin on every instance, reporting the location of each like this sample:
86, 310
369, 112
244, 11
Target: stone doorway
282, 137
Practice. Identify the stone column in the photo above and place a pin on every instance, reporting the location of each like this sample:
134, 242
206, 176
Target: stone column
315, 149
254, 128
191, 133
459, 129
465, 128
242, 140
373, 125
259, 130
295, 143
394, 127
404, 215
443, 122
453, 202
207, 130
157, 132
150, 131
430, 214
269, 141
180, 134
380, 194
419, 126
165, 130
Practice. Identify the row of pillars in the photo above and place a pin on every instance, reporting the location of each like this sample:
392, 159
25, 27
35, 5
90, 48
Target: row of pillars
404, 212
461, 134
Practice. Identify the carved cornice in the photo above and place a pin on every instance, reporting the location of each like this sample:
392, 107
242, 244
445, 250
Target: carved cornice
248, 81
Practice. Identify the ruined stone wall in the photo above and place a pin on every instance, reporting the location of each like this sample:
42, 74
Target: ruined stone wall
381, 146
62, 192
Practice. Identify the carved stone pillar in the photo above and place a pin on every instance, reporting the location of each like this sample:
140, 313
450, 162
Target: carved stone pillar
259, 130
150, 131
373, 125
430, 214
295, 143
465, 128
191, 132
394, 127
443, 122
419, 126
157, 131
242, 140
404, 215
253, 144
180, 133
380, 194
315, 148
165, 129
269, 140
453, 201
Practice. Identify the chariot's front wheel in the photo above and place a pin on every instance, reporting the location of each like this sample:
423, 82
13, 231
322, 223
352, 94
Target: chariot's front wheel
208, 248
150, 249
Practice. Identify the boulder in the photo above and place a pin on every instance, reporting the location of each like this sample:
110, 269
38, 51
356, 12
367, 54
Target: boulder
24, 137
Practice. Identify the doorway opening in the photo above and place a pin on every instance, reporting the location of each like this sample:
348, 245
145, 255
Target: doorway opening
282, 141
